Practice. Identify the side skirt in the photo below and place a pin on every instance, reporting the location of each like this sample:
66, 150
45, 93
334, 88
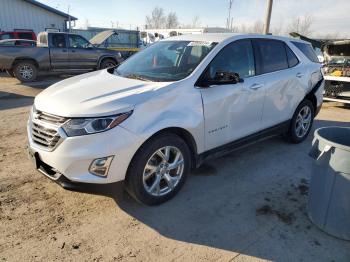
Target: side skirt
243, 142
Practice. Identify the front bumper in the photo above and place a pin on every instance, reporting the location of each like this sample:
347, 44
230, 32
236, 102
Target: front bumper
73, 156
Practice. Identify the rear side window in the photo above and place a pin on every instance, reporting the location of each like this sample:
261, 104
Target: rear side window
28, 36
307, 50
292, 59
272, 55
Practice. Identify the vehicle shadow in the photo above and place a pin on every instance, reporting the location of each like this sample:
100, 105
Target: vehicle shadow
14, 94
220, 204
11, 100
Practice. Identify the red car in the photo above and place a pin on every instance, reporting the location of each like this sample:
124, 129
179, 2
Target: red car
18, 34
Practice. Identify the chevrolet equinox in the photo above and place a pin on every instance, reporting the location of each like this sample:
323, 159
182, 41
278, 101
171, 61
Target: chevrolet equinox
170, 107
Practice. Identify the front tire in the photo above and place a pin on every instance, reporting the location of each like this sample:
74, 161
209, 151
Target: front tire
107, 63
25, 71
159, 169
301, 123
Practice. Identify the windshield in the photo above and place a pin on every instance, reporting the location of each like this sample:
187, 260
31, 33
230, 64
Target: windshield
165, 61
339, 61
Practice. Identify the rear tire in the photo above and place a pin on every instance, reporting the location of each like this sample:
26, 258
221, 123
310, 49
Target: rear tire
107, 63
301, 123
25, 71
159, 169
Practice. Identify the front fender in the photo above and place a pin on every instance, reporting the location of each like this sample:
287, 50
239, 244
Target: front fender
174, 107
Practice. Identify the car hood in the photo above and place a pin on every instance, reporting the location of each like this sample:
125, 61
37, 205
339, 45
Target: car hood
99, 93
101, 37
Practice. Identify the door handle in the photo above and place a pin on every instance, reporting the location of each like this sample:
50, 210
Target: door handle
256, 86
299, 75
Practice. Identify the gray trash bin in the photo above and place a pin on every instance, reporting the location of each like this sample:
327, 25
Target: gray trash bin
329, 193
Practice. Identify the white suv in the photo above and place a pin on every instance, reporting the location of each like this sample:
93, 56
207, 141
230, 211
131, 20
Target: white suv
170, 107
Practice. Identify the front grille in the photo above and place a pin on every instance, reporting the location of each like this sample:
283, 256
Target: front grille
44, 129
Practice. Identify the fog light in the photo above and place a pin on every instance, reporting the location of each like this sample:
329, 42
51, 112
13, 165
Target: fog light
100, 166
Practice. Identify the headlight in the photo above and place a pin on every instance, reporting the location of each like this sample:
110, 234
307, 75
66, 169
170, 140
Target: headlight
86, 126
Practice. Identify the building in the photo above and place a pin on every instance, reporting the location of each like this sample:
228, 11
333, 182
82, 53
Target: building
33, 15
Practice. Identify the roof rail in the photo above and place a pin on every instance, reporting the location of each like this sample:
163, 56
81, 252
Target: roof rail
21, 29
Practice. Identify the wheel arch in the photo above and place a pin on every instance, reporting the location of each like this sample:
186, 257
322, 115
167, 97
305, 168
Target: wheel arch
104, 58
21, 59
182, 133
312, 98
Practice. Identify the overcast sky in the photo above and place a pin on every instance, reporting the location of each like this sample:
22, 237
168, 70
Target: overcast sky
330, 16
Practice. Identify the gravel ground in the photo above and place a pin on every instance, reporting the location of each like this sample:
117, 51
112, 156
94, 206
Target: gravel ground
247, 206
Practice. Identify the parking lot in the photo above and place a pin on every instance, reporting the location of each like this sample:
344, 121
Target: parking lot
250, 205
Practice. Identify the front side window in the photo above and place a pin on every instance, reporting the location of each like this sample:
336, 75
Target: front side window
272, 55
165, 61
236, 57
58, 40
76, 41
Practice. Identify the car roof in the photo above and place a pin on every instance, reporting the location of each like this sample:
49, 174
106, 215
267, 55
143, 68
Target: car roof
220, 37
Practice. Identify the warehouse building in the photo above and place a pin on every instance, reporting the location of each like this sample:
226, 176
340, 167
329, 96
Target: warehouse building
33, 15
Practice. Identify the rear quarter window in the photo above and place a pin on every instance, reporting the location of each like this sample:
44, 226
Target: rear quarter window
307, 50
292, 59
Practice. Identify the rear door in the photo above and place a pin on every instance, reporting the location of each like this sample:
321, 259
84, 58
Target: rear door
58, 51
81, 54
283, 78
232, 111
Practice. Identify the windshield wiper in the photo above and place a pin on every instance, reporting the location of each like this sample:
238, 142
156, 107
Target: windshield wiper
138, 77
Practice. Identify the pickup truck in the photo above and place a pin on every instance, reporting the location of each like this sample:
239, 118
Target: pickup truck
56, 52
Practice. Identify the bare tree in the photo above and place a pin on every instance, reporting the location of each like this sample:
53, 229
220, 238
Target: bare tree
157, 19
86, 23
301, 25
277, 30
258, 27
171, 20
334, 35
196, 22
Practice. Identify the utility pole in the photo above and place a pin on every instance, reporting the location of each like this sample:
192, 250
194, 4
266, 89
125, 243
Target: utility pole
69, 20
268, 17
229, 15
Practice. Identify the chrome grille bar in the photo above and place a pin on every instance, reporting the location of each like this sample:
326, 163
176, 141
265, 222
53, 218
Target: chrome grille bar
44, 129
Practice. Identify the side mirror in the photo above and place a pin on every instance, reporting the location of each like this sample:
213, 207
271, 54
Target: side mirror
221, 78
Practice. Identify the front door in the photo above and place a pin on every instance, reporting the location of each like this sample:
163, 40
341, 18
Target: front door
81, 54
58, 51
232, 111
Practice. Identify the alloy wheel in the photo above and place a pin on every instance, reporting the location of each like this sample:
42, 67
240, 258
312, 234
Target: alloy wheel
163, 171
303, 121
26, 72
